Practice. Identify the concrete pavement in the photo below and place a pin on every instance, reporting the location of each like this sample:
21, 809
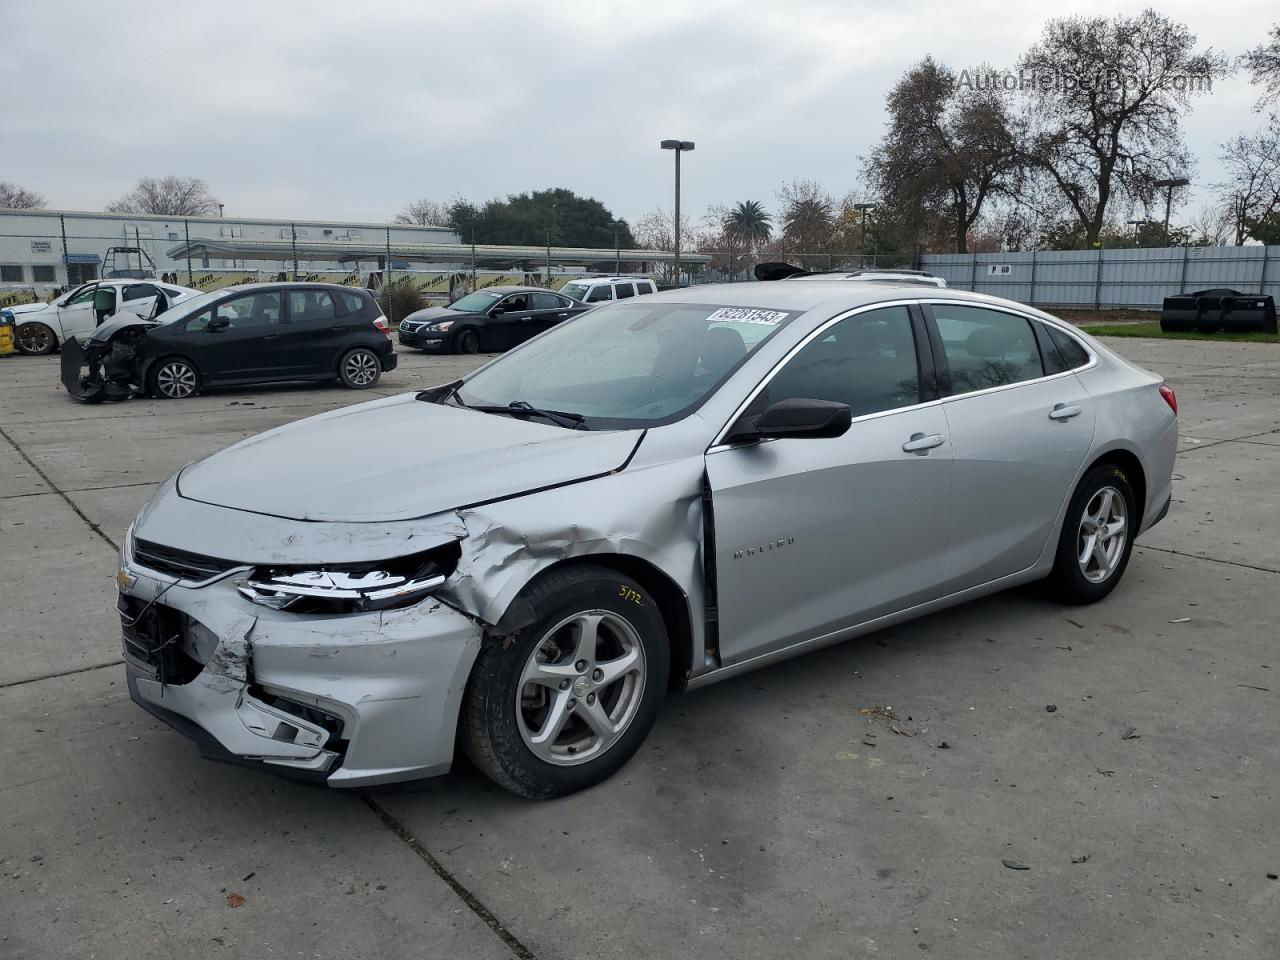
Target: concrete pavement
775, 813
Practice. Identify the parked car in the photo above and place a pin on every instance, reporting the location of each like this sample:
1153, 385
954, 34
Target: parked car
592, 290
664, 493
42, 326
492, 319
252, 334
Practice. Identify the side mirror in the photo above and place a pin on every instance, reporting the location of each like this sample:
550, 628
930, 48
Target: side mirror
797, 417
218, 323
497, 311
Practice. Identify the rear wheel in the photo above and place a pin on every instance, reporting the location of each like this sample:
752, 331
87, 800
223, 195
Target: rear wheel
569, 700
35, 339
467, 341
173, 378
360, 368
1097, 536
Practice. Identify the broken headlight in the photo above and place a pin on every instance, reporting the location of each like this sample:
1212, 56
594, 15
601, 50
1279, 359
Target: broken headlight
350, 588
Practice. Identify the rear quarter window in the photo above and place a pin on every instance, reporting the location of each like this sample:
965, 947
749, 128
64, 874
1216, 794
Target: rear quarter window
1073, 354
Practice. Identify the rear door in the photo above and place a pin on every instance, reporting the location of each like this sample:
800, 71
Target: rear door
548, 310
815, 535
316, 331
139, 298
1020, 431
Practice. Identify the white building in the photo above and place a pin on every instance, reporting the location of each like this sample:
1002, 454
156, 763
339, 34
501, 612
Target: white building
43, 249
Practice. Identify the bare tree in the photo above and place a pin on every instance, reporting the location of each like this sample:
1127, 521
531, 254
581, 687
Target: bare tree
424, 213
167, 196
1105, 105
1263, 66
1211, 226
656, 231
949, 146
1252, 188
14, 197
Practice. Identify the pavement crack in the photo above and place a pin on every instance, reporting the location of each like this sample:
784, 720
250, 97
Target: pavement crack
466, 896
1199, 556
61, 673
60, 492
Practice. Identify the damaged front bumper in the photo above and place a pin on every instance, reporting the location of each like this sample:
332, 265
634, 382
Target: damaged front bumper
352, 699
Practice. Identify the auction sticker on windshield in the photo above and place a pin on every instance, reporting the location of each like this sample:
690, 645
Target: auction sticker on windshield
749, 315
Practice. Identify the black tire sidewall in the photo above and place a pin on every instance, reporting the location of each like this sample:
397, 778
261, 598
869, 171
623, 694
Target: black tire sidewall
491, 694
461, 339
153, 378
53, 339
1069, 579
342, 368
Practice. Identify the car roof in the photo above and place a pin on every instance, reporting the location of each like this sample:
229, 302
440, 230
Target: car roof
607, 279
284, 285
814, 293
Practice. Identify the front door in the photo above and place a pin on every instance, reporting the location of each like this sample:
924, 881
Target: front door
1018, 436
240, 339
510, 326
814, 535
75, 313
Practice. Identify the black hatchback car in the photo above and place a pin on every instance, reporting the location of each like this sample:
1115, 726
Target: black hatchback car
252, 334
492, 319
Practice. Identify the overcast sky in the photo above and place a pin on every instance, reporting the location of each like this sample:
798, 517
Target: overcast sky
338, 110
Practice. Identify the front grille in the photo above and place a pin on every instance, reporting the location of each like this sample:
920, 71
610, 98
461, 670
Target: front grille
153, 636
181, 564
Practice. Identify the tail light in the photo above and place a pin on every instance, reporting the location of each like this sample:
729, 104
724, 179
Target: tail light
1170, 397
381, 324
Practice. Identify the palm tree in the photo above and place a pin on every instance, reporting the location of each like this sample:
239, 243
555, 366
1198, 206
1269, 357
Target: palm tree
749, 223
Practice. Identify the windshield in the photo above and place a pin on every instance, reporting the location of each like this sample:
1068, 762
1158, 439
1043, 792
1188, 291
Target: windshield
477, 302
627, 365
576, 290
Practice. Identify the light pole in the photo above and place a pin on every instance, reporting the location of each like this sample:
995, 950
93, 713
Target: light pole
617, 249
862, 244
679, 146
1170, 185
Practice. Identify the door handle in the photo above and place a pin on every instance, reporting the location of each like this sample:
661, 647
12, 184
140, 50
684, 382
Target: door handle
525, 319
563, 315
1061, 411
337, 329
271, 336
922, 444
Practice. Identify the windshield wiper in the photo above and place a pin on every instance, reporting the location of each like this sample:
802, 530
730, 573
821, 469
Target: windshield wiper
518, 408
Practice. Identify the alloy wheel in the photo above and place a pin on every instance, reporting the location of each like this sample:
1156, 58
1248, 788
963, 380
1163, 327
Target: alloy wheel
581, 687
35, 338
1103, 533
176, 380
361, 368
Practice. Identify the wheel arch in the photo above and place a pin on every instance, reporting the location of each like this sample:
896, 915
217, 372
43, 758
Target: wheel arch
1128, 464
671, 601
148, 366
455, 335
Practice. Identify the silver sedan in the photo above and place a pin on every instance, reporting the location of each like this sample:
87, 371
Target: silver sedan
660, 494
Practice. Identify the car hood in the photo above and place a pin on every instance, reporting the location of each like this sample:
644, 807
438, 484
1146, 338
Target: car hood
19, 309
431, 314
398, 459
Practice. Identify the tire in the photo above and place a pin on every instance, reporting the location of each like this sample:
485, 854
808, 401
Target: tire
360, 368
173, 378
35, 339
1105, 494
466, 341
509, 721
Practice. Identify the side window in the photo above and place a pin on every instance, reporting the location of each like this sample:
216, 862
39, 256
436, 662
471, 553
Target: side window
624, 290
547, 301
84, 296
1073, 354
353, 302
10, 272
599, 294
249, 312
305, 305
867, 361
43, 273
643, 287
139, 291
986, 348
519, 301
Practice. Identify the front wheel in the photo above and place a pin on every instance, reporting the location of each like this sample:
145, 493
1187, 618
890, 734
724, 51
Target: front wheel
468, 341
360, 368
1097, 536
35, 339
568, 701
174, 379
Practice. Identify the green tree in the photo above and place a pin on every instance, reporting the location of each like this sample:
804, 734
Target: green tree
556, 216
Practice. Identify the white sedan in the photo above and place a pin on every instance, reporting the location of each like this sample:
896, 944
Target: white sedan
42, 326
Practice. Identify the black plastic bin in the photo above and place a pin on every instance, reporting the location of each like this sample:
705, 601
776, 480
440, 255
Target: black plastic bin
1210, 311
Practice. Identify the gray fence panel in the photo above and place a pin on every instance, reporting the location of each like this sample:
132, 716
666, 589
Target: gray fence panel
1136, 278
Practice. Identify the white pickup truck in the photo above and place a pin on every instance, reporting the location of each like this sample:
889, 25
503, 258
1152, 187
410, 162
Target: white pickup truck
40, 327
